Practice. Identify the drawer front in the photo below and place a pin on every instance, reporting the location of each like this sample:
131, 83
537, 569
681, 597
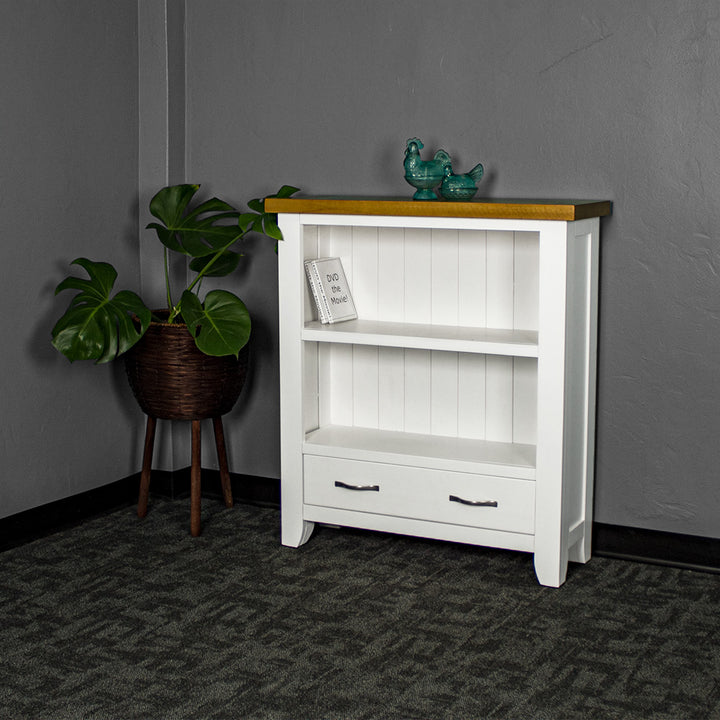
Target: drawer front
484, 501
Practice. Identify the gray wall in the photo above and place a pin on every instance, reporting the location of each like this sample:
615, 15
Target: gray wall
558, 98
68, 183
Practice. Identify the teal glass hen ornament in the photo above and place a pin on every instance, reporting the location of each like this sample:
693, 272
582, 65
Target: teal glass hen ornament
424, 175
461, 187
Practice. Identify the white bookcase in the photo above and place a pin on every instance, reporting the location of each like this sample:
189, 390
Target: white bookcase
460, 404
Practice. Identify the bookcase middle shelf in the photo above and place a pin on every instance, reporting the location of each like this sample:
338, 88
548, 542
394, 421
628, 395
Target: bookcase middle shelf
487, 341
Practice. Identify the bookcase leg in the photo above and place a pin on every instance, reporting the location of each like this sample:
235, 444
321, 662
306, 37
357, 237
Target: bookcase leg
296, 532
581, 549
550, 571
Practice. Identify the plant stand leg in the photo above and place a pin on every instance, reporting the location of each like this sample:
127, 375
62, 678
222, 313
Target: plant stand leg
195, 481
146, 467
222, 461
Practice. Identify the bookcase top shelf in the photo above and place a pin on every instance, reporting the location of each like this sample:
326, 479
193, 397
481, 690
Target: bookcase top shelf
566, 210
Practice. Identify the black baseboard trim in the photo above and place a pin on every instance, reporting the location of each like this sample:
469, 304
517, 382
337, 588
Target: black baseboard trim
47, 519
614, 541
690, 552
245, 488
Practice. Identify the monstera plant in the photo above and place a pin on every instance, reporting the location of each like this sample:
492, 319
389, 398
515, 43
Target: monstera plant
189, 360
99, 326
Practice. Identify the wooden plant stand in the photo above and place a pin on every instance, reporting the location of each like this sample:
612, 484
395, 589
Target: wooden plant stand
195, 470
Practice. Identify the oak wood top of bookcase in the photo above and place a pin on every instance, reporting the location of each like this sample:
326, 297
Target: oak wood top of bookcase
483, 208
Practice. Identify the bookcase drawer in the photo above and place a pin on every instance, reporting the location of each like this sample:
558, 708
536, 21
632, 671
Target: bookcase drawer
494, 503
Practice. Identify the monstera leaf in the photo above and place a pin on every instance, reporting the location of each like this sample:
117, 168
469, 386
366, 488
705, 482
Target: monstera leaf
97, 326
220, 325
193, 231
263, 222
216, 265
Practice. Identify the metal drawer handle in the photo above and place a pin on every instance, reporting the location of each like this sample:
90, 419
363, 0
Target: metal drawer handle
474, 503
371, 488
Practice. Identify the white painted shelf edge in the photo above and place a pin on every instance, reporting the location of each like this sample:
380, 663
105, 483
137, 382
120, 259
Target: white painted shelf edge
489, 341
483, 457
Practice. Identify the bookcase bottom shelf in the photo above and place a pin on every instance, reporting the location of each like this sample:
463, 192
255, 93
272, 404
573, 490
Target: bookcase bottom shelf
513, 460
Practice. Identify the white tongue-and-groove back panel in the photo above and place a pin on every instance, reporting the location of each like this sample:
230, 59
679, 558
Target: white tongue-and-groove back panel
449, 277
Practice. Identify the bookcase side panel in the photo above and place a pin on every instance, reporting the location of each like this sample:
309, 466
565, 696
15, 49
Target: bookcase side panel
551, 539
311, 393
292, 287
580, 382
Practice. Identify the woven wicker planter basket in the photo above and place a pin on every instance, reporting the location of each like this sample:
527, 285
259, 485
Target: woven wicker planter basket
172, 380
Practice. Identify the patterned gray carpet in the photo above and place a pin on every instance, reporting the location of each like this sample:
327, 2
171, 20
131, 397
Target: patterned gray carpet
120, 618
